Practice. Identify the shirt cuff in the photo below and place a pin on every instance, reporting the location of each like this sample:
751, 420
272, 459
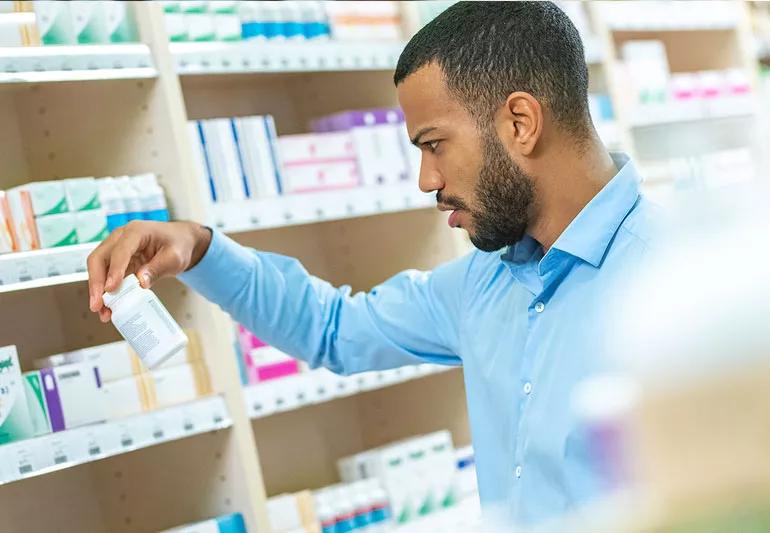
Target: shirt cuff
223, 265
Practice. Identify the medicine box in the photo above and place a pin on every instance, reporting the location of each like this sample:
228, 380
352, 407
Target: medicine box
127, 396
82, 194
38, 411
56, 230
179, 384
91, 226
73, 396
15, 423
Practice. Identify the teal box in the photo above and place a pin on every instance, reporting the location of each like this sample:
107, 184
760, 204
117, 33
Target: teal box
38, 411
15, 422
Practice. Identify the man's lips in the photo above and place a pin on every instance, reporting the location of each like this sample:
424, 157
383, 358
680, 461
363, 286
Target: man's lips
454, 216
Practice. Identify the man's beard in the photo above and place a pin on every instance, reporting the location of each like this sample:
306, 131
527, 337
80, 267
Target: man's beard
504, 196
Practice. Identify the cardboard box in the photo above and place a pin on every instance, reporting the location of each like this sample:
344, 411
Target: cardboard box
15, 423
73, 396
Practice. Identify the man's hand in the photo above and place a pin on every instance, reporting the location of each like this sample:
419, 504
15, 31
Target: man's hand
151, 250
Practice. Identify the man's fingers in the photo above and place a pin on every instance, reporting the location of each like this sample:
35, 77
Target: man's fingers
98, 261
129, 243
105, 314
166, 262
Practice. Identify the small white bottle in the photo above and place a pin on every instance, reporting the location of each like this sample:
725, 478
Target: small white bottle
146, 325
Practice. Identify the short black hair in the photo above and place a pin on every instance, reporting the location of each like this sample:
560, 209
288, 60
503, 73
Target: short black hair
487, 50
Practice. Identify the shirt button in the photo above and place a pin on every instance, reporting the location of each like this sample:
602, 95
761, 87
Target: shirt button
518, 472
539, 307
527, 387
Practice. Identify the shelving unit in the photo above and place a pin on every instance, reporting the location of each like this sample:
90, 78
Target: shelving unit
67, 449
320, 386
124, 110
42, 64
250, 57
43, 268
250, 215
697, 36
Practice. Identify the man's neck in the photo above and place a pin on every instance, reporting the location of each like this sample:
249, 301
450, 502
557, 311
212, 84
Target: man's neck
566, 187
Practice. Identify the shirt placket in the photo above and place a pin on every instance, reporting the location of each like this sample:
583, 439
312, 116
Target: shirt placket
526, 385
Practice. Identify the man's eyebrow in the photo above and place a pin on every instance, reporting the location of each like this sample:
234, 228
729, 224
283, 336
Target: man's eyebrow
416, 139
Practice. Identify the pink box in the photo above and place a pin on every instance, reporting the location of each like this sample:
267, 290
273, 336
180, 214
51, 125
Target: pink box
315, 148
321, 176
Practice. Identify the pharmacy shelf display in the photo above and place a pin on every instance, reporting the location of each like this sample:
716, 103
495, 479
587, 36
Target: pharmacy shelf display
318, 386
79, 128
254, 57
282, 211
42, 268
40, 64
66, 449
660, 87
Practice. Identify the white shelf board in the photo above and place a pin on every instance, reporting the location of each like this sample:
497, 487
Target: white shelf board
65, 449
670, 16
318, 386
40, 64
263, 57
43, 268
292, 209
692, 111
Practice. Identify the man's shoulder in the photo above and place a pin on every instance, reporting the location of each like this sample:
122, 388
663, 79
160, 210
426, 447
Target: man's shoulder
643, 224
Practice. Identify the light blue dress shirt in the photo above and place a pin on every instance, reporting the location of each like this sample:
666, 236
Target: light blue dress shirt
525, 326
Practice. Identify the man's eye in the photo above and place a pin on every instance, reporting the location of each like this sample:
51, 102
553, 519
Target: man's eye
432, 145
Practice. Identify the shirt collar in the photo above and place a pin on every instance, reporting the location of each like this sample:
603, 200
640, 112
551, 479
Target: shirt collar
589, 234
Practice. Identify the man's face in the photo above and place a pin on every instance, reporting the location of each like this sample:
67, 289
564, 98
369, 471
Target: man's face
467, 166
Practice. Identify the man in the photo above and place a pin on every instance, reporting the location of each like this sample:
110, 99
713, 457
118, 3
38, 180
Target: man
495, 96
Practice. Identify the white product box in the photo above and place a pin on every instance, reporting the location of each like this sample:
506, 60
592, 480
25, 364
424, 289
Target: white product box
57, 230
34, 200
321, 176
222, 154
54, 22
179, 384
81, 194
120, 24
257, 153
193, 6
125, 397
91, 226
200, 27
114, 360
314, 148
227, 27
380, 158
89, 21
176, 27
73, 395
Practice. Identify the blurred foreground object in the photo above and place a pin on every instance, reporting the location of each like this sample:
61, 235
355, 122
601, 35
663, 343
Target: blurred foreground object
682, 430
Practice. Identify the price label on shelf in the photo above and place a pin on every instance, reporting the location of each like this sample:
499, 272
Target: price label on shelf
27, 457
59, 447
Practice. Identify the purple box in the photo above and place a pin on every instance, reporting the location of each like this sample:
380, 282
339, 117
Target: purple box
52, 400
347, 120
